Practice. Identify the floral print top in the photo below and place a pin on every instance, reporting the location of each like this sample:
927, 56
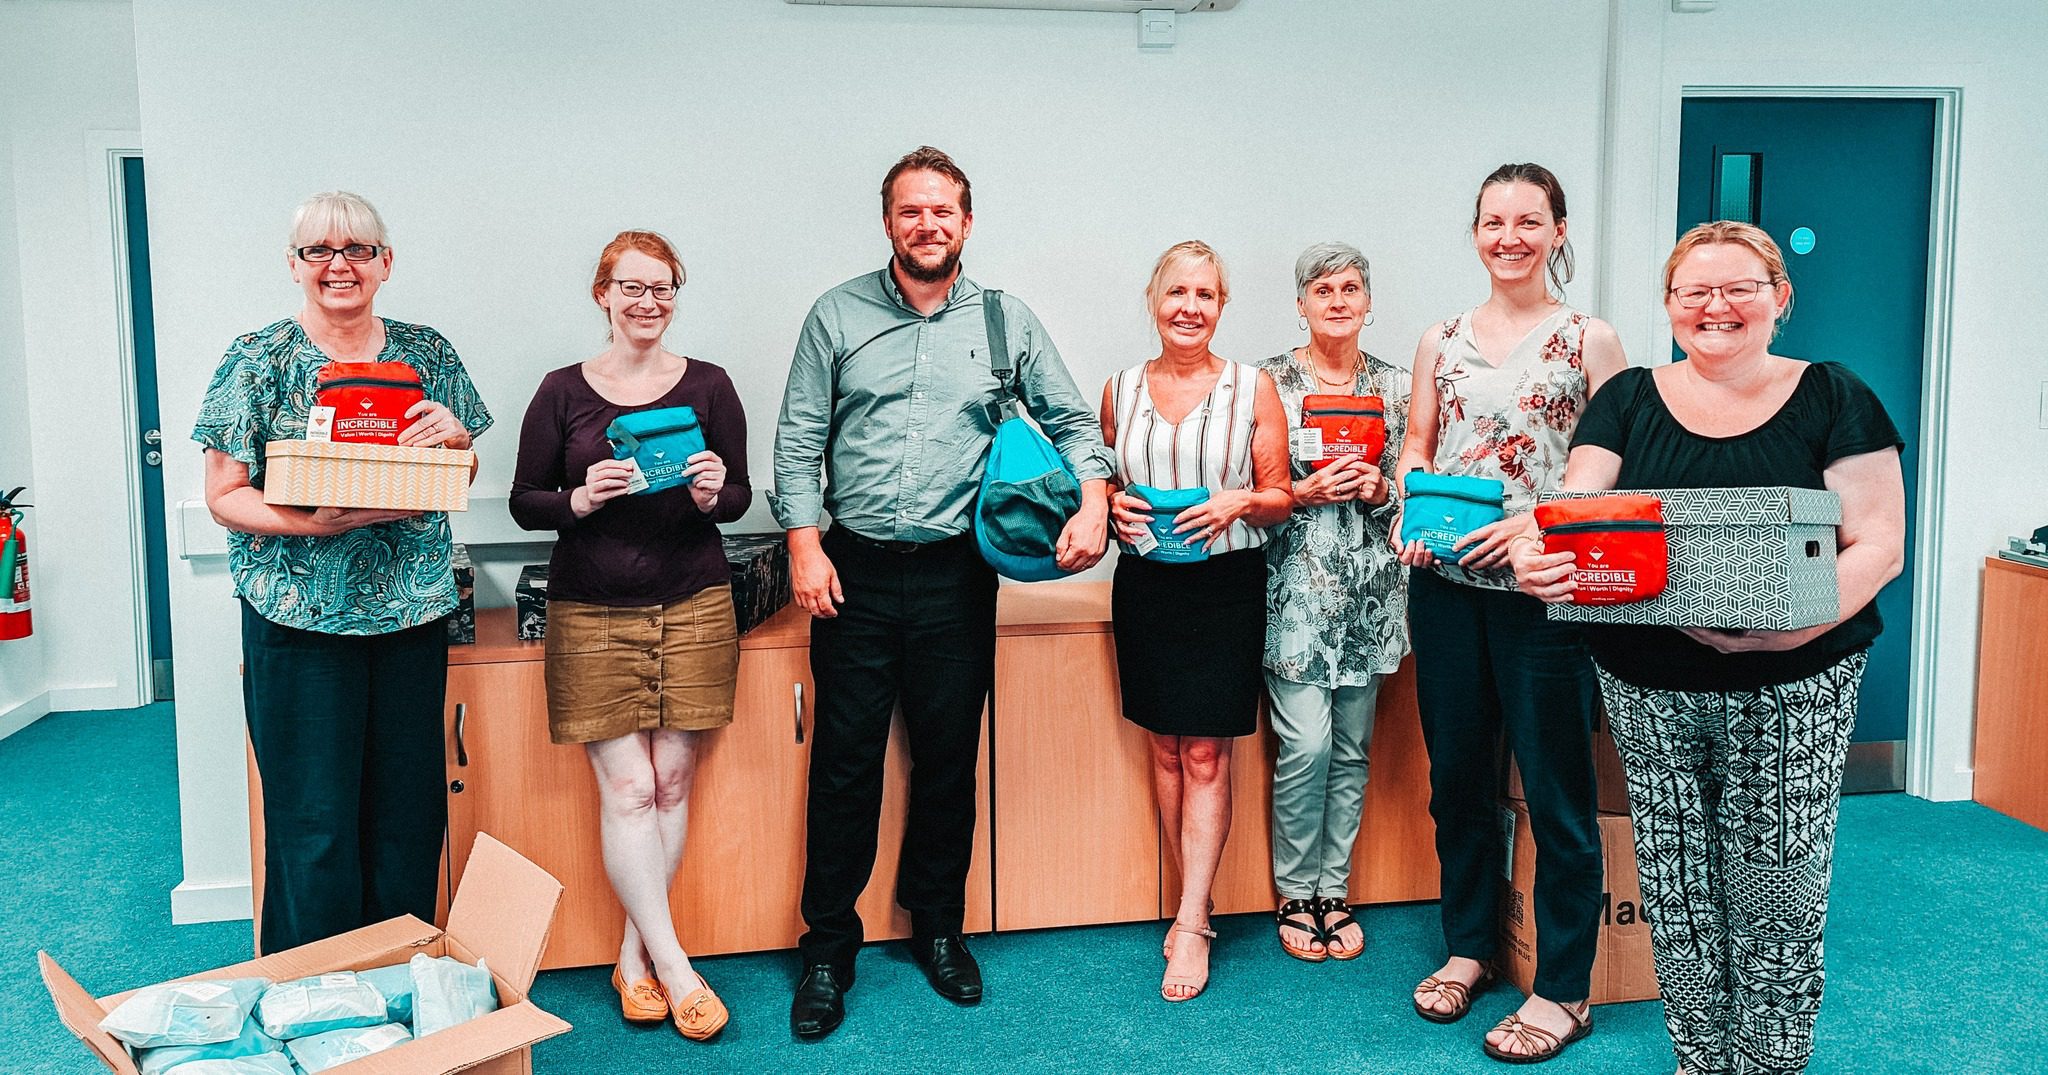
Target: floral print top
1336, 597
370, 580
1512, 422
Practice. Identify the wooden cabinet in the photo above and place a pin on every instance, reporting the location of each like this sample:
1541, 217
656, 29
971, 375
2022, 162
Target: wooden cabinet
2012, 692
1066, 833
741, 877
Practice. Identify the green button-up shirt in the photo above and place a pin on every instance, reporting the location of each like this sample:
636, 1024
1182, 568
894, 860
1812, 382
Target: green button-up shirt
893, 406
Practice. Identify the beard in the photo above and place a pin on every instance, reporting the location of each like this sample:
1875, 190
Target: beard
932, 273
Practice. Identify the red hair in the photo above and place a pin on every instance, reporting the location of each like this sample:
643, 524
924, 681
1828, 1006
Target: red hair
646, 242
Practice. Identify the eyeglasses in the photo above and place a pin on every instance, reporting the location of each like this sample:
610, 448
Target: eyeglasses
351, 252
633, 289
1736, 292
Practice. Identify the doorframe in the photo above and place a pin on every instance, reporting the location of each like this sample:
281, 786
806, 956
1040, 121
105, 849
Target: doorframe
1926, 728
105, 150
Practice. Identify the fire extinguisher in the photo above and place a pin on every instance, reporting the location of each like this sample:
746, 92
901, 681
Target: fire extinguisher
14, 613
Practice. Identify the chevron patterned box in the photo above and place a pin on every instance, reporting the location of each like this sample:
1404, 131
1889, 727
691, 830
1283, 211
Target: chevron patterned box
333, 474
1755, 559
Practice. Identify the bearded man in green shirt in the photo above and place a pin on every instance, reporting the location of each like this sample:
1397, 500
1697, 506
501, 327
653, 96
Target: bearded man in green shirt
888, 397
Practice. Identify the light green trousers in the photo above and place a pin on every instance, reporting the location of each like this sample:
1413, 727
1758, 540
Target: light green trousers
1318, 783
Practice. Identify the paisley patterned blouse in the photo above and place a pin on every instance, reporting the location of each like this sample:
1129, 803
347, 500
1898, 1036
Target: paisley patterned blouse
1512, 422
1336, 597
371, 580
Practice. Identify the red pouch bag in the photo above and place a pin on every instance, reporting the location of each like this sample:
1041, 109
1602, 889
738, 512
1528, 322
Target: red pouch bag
1619, 542
369, 399
1350, 425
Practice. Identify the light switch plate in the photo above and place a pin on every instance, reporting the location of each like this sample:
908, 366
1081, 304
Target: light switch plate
1156, 28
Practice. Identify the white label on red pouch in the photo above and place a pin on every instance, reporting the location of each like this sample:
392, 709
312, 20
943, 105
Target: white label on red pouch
320, 424
1307, 443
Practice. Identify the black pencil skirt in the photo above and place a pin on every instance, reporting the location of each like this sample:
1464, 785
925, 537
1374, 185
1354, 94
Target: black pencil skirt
1189, 642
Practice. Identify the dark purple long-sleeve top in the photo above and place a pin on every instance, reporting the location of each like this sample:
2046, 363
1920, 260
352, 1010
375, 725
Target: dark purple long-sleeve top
645, 549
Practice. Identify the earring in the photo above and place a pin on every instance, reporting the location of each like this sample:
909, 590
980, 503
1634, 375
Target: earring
1304, 322
1368, 319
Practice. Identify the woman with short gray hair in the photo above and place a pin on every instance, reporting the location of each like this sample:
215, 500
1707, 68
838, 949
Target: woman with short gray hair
1336, 602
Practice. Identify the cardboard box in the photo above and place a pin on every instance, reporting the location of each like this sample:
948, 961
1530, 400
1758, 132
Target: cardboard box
501, 914
1622, 966
1611, 783
462, 622
1756, 559
328, 474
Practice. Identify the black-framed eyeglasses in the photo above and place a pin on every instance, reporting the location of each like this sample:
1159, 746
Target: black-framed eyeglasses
321, 254
1737, 292
633, 289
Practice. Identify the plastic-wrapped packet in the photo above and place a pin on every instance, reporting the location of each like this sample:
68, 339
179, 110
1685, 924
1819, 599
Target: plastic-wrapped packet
185, 1013
395, 983
261, 1064
448, 992
252, 1041
334, 1001
337, 1047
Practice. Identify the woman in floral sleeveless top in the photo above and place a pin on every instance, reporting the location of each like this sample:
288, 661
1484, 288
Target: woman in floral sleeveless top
1497, 393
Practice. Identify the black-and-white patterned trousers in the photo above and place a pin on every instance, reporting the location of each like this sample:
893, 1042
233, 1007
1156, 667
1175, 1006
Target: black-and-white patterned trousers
1735, 796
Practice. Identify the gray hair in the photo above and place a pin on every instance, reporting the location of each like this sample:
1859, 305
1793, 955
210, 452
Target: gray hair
1322, 259
336, 212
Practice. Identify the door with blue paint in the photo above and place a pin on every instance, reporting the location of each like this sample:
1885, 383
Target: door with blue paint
142, 331
1844, 186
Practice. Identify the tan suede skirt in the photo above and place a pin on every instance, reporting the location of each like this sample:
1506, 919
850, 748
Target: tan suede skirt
612, 670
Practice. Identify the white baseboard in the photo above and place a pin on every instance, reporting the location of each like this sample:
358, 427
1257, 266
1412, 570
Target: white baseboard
85, 699
220, 901
1957, 786
23, 714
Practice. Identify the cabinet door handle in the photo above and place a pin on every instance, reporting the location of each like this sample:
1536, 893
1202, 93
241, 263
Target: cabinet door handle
798, 689
461, 720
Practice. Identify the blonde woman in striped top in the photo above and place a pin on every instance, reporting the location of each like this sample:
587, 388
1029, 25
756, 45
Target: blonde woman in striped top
1190, 635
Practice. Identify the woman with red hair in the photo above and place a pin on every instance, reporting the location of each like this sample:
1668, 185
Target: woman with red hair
642, 648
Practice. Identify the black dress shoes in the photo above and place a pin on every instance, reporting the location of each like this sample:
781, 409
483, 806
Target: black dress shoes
949, 966
820, 1004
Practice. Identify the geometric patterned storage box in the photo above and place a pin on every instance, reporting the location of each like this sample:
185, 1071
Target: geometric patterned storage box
1756, 559
337, 474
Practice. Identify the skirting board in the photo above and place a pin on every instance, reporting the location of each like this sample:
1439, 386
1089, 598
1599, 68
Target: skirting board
24, 714
222, 901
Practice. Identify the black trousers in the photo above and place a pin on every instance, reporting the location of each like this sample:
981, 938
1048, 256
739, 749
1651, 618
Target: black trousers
1488, 665
348, 739
916, 628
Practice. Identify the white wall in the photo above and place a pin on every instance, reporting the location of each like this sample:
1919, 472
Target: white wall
1992, 481
23, 685
505, 147
67, 74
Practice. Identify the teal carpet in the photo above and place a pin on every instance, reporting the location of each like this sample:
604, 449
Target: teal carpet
1935, 954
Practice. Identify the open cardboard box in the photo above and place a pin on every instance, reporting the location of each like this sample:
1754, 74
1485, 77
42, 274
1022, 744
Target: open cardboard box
338, 474
501, 915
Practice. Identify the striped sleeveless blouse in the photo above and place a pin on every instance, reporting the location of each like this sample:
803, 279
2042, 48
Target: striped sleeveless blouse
1211, 447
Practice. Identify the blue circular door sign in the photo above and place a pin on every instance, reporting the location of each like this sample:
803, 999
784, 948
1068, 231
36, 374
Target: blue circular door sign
1802, 240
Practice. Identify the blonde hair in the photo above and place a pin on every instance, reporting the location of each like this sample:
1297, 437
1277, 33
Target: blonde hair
1732, 233
336, 212
1180, 254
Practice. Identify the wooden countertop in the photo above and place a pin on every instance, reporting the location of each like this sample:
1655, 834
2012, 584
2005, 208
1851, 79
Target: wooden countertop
1040, 608
1999, 563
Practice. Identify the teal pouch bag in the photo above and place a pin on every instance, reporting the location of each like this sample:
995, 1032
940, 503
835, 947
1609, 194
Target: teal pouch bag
251, 1042
1166, 546
1438, 509
660, 442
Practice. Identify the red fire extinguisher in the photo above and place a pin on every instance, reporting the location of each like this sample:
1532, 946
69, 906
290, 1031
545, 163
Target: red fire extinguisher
14, 613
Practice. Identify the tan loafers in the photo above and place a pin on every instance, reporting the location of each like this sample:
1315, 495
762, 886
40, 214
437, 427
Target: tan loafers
641, 1002
699, 1015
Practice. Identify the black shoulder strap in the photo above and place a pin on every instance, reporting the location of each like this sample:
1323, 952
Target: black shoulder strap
1000, 361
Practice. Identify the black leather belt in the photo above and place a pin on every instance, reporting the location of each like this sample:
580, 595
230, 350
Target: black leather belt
901, 548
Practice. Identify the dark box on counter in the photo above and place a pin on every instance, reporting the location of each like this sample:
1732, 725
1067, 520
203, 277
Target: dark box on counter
760, 584
1756, 559
462, 622
532, 595
760, 576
